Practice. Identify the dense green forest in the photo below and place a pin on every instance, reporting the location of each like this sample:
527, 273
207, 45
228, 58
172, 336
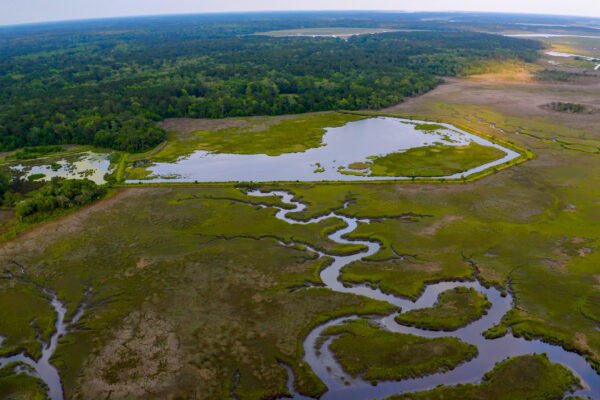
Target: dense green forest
58, 194
106, 83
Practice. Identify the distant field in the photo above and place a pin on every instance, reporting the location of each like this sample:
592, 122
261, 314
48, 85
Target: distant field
335, 32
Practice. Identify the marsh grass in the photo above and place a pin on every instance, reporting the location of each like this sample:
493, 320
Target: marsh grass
211, 267
454, 309
364, 349
436, 160
524, 377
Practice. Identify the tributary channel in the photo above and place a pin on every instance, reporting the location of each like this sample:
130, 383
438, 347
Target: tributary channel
491, 351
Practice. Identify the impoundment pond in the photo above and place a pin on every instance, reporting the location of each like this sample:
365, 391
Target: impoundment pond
355, 142
91, 165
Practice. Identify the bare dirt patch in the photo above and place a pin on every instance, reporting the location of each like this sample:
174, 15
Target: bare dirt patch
521, 75
490, 275
142, 359
142, 263
433, 228
189, 125
525, 98
256, 123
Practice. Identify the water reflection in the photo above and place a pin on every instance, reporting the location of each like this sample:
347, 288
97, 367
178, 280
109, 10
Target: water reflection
491, 351
353, 142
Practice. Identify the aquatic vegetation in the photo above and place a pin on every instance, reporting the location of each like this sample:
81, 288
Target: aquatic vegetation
68, 164
36, 177
16, 383
358, 165
393, 146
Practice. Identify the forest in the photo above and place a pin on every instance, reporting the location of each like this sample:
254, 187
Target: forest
107, 83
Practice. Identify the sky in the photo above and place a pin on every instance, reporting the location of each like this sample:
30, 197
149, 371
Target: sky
27, 11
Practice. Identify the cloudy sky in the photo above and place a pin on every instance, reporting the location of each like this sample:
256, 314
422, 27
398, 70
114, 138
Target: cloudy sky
24, 11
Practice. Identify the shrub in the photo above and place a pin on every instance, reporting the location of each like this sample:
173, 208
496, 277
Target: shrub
56, 195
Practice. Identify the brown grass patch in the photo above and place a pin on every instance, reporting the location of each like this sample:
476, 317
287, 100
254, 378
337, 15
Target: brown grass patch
142, 359
256, 123
358, 165
490, 274
142, 263
433, 228
519, 98
521, 75
39, 235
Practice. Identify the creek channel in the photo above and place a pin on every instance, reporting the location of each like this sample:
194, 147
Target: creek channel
343, 386
43, 368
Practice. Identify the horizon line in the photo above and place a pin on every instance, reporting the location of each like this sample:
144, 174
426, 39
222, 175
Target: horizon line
91, 19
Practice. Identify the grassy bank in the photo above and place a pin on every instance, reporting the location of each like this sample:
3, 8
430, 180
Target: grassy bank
525, 377
365, 350
454, 308
436, 160
206, 291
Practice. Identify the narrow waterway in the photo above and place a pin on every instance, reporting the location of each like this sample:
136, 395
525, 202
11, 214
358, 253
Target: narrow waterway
491, 351
43, 368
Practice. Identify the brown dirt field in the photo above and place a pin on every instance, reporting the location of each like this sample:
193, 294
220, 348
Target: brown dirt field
189, 125
521, 98
143, 357
39, 235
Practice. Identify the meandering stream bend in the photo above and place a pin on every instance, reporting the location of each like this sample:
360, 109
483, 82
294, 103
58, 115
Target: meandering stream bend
491, 351
43, 368
324, 364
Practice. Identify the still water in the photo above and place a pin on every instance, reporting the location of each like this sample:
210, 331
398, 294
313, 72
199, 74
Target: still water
353, 142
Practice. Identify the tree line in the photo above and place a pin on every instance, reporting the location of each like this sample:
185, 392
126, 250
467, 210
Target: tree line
109, 89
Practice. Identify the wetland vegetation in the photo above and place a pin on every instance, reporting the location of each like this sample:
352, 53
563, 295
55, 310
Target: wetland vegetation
258, 135
436, 160
205, 291
567, 107
375, 354
523, 377
455, 308
317, 147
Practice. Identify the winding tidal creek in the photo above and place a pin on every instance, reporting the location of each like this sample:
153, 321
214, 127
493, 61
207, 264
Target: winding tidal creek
43, 368
322, 360
491, 351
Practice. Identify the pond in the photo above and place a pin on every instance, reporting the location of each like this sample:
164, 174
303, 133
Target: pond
355, 142
90, 165
559, 54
